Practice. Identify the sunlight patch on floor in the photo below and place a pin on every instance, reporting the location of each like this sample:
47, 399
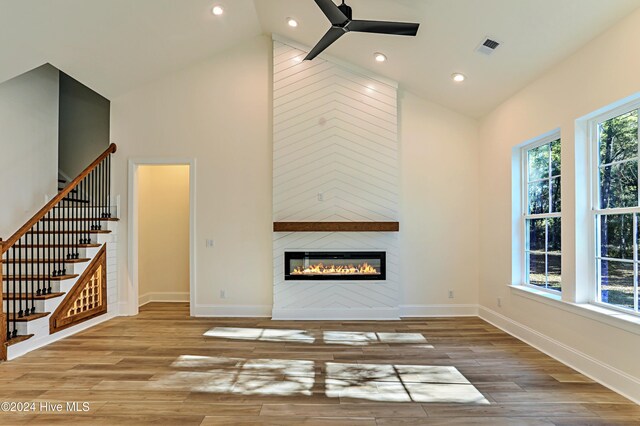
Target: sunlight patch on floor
261, 334
350, 338
400, 383
291, 377
281, 377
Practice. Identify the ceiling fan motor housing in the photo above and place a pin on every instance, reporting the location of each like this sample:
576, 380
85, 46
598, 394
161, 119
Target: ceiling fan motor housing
348, 12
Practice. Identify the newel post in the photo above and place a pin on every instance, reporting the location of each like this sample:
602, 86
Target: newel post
3, 314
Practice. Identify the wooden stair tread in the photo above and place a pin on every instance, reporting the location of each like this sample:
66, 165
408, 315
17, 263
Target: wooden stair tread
18, 339
12, 296
27, 318
79, 260
39, 277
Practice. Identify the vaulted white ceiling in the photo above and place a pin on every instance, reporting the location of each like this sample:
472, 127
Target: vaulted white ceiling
116, 45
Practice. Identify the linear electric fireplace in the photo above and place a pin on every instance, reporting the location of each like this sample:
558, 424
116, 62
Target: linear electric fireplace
335, 265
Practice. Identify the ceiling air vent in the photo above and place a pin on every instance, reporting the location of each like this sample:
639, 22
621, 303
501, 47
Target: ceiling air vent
488, 46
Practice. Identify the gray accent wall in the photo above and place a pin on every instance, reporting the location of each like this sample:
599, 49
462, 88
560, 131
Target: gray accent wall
28, 145
83, 127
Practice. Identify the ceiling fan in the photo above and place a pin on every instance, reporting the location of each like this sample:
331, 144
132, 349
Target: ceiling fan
342, 22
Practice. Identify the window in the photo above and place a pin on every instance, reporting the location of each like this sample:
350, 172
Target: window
617, 210
542, 217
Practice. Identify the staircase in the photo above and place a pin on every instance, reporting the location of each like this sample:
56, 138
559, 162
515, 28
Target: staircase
53, 269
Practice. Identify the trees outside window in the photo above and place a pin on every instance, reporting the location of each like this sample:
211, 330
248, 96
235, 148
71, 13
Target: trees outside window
617, 210
542, 219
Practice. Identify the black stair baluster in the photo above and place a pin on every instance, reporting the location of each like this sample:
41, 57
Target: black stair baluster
7, 300
98, 195
109, 186
76, 235
54, 238
34, 275
85, 211
16, 275
48, 252
13, 331
91, 196
59, 234
38, 259
94, 212
104, 187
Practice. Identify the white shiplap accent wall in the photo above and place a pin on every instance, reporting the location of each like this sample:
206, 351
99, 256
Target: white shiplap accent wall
335, 133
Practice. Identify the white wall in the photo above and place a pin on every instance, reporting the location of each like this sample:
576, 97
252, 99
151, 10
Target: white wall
28, 145
217, 112
602, 72
163, 233
439, 209
335, 133
84, 126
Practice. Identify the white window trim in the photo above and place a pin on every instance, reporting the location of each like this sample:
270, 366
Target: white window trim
596, 211
524, 206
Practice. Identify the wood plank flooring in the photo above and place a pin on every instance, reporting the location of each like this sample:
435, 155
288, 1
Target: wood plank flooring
163, 367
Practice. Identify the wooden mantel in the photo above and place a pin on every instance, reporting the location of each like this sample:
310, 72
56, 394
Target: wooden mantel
336, 226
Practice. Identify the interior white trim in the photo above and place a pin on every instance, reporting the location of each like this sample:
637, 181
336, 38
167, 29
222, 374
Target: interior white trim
249, 311
614, 318
468, 310
605, 374
14, 351
160, 296
376, 314
134, 164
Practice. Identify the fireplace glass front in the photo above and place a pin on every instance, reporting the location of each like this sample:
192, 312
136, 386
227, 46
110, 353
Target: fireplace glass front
335, 265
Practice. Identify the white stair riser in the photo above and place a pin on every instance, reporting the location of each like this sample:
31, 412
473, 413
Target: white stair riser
75, 226
56, 287
33, 327
84, 252
48, 305
81, 211
40, 269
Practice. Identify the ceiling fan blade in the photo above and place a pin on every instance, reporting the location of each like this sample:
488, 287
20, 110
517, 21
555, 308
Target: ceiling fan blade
332, 35
335, 15
384, 27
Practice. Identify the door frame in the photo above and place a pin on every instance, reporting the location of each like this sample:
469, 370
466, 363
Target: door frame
133, 208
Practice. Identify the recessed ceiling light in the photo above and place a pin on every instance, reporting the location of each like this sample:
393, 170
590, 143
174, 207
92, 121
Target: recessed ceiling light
458, 78
292, 22
217, 10
380, 57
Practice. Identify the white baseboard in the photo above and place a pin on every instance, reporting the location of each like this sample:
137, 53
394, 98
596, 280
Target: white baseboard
407, 311
376, 314
605, 374
232, 311
22, 348
163, 297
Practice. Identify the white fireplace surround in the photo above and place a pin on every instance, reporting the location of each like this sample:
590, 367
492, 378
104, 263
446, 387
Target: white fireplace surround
335, 159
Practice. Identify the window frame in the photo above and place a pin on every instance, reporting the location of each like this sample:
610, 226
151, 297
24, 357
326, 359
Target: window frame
524, 206
597, 212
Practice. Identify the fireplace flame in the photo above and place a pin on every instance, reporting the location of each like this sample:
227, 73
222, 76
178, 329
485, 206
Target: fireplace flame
321, 269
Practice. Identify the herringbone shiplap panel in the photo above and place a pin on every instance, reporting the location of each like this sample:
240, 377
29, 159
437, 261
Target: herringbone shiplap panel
335, 158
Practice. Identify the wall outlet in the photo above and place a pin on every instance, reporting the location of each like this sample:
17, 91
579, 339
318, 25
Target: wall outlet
499, 302
450, 294
209, 243
223, 294
320, 196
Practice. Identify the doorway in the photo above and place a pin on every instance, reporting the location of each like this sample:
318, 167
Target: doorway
161, 233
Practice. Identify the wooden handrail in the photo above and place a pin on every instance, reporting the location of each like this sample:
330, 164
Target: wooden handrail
55, 200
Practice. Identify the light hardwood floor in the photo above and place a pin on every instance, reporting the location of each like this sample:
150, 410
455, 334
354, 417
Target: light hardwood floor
163, 367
